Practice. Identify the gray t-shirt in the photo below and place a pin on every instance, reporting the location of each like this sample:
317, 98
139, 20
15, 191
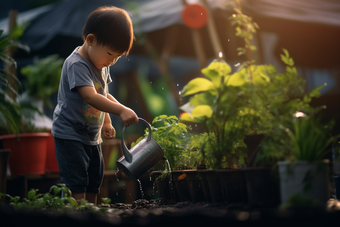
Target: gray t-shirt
73, 118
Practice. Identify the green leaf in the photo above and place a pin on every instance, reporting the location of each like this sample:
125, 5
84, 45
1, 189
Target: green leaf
189, 118
56, 191
202, 111
197, 85
31, 194
315, 93
236, 79
216, 70
72, 201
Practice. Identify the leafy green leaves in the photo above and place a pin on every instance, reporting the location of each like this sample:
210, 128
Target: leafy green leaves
171, 135
43, 77
196, 85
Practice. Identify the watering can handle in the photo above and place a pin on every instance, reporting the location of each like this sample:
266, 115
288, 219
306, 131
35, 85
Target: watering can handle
126, 152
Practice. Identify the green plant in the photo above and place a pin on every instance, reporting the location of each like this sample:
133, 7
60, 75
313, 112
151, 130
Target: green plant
59, 198
304, 138
171, 135
10, 110
255, 99
43, 77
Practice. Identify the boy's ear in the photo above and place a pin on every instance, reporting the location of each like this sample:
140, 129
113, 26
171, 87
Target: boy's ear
90, 39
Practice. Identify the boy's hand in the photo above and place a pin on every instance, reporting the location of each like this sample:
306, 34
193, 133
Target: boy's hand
109, 131
129, 117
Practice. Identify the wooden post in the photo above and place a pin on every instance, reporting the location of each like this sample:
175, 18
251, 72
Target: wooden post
163, 62
213, 34
11, 68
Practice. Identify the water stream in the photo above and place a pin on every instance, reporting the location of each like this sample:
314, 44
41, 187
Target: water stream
140, 188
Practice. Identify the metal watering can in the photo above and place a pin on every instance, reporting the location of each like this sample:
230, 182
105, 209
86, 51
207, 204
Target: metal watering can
143, 156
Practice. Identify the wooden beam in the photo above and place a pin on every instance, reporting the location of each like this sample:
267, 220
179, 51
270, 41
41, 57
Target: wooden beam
213, 34
11, 68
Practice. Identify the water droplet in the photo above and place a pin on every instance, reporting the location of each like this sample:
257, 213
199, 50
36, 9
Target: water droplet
162, 88
179, 92
177, 85
150, 82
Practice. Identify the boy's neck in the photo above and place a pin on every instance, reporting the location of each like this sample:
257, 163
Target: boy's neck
83, 52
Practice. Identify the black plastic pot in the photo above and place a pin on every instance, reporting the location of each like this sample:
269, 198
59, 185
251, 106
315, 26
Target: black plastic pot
210, 178
253, 142
162, 185
195, 185
262, 187
234, 185
181, 185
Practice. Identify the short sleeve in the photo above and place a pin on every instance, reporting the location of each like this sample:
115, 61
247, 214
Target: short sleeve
79, 75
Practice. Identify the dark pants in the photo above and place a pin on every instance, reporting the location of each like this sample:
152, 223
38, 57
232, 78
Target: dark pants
80, 166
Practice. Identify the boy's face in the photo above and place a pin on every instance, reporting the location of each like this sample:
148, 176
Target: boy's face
102, 56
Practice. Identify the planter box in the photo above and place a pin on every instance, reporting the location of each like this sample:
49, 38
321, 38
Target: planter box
310, 180
162, 186
262, 187
181, 185
28, 155
213, 192
195, 185
233, 185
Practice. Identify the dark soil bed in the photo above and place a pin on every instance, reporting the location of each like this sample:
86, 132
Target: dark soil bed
165, 213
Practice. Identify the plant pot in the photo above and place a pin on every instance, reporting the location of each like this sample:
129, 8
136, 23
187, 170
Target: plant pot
51, 158
28, 155
4, 154
181, 185
162, 185
205, 186
308, 179
233, 184
195, 185
253, 142
262, 187
214, 185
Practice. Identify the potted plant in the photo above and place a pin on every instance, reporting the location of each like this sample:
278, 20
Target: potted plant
43, 78
12, 123
234, 107
301, 146
171, 135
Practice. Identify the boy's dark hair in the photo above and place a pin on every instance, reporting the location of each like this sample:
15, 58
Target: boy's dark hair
112, 27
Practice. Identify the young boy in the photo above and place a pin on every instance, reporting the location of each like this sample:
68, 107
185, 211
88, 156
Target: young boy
84, 103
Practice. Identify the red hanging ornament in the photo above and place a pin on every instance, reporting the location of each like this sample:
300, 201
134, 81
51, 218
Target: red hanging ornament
194, 15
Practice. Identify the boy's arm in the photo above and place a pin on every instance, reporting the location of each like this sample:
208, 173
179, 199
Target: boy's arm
104, 104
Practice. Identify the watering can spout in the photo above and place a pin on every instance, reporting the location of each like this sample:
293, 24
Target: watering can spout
126, 152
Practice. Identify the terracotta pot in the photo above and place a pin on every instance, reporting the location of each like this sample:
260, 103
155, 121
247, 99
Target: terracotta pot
51, 158
28, 152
